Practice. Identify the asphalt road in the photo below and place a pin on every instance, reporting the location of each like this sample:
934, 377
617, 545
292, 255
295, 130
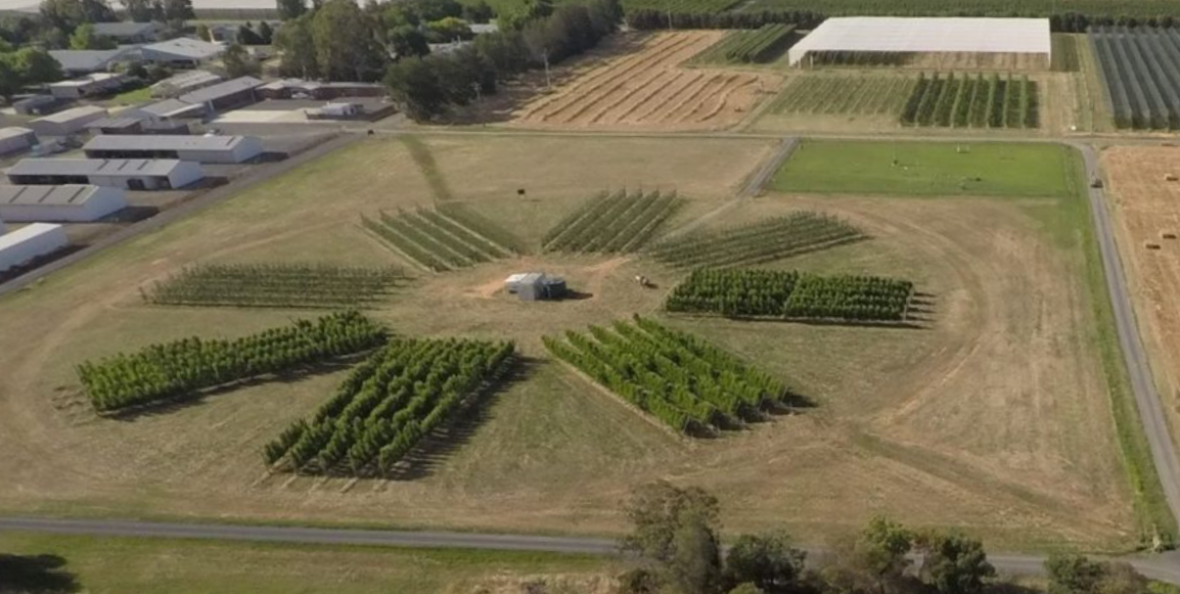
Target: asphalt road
1151, 409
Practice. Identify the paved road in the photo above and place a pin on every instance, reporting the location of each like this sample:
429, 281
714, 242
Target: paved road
1151, 409
1163, 568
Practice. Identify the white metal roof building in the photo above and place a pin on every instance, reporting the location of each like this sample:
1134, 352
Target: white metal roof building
129, 174
59, 204
70, 121
29, 242
15, 139
927, 35
202, 149
182, 52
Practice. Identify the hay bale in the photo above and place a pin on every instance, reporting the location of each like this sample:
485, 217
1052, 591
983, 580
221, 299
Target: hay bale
1167, 235
1151, 246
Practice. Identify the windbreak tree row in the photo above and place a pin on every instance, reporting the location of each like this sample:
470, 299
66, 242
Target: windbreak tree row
275, 285
791, 295
621, 222
757, 243
388, 404
164, 371
685, 382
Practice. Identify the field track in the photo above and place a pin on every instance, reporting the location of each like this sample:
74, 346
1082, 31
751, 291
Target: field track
1163, 567
647, 88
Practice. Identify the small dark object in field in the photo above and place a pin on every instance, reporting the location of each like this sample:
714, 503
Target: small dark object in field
520, 191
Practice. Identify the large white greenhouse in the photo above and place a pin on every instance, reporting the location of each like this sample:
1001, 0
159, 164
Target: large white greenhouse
928, 35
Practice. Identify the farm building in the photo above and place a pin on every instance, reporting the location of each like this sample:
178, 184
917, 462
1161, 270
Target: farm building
535, 286
128, 32
173, 109
226, 95
30, 242
936, 36
129, 174
181, 52
15, 139
202, 149
59, 204
185, 82
98, 83
36, 104
80, 62
70, 121
289, 88
132, 122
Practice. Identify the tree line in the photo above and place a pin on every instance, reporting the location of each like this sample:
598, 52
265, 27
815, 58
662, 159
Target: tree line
429, 86
675, 547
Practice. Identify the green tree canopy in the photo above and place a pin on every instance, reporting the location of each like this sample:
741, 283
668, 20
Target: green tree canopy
295, 41
345, 42
766, 561
956, 564
36, 67
84, 38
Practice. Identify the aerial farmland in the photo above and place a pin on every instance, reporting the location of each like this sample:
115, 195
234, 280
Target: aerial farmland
831, 269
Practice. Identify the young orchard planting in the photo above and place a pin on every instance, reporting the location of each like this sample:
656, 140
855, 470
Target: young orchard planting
757, 243
1140, 70
163, 371
683, 381
845, 95
613, 223
744, 47
791, 295
437, 241
275, 285
388, 404
964, 101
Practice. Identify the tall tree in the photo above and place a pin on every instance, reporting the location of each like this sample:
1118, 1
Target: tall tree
414, 85
656, 510
67, 15
345, 43
768, 561
695, 566
407, 41
291, 9
141, 11
1075, 574
35, 66
238, 62
266, 33
10, 78
294, 40
176, 12
84, 38
956, 564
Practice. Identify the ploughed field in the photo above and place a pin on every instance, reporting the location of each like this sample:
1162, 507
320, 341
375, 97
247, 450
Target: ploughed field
648, 88
811, 418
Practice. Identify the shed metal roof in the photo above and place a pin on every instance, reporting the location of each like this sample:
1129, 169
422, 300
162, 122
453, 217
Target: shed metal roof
169, 108
115, 167
72, 114
219, 90
927, 34
161, 142
26, 233
65, 195
86, 60
185, 47
14, 132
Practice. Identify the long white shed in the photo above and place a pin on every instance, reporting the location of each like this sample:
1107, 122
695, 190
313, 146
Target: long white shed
30, 242
70, 121
63, 204
934, 35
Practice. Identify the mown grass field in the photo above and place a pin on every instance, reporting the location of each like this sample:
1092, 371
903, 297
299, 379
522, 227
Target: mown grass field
150, 566
926, 169
945, 425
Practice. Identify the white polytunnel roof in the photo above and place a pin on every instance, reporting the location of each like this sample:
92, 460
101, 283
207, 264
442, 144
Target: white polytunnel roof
933, 34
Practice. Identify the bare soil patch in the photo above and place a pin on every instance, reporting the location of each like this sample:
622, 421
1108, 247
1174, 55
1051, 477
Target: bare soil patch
647, 88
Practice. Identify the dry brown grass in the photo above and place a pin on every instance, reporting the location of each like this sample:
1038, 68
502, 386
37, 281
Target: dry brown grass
1146, 207
644, 87
993, 419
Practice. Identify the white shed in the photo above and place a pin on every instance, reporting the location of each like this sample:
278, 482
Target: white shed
60, 204
202, 149
15, 139
70, 121
29, 242
129, 174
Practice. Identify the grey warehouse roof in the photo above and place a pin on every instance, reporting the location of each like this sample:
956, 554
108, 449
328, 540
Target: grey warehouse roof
220, 90
13, 132
114, 123
193, 49
72, 114
169, 108
86, 60
67, 195
161, 142
128, 167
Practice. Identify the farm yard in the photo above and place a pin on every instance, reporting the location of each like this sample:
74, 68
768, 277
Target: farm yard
1144, 203
649, 89
842, 409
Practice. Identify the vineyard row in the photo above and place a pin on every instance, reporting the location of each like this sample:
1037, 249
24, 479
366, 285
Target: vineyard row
613, 223
978, 102
1140, 70
436, 241
275, 285
757, 243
